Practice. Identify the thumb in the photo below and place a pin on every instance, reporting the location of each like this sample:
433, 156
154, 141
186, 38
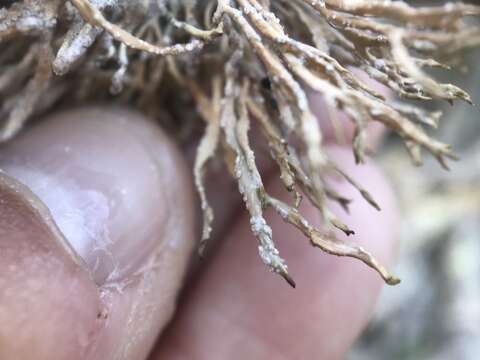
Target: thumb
96, 230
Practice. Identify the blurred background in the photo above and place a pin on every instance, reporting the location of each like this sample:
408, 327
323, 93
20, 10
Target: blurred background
435, 312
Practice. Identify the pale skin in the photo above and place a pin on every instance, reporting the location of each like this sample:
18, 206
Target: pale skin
229, 306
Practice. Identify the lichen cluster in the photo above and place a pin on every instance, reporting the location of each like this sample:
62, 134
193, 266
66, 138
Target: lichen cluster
243, 61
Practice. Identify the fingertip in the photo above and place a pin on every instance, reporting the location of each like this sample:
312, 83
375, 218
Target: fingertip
119, 192
237, 301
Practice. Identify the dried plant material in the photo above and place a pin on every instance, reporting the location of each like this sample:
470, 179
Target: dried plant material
95, 18
240, 61
23, 104
326, 242
211, 112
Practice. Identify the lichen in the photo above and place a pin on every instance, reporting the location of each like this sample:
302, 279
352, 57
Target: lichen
240, 61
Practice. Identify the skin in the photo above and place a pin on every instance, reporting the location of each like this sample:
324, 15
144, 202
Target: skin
56, 302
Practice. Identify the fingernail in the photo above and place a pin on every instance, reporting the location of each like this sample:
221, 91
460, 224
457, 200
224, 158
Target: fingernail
104, 176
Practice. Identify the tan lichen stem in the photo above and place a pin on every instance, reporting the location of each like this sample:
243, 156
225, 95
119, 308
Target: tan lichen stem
401, 11
307, 122
26, 102
235, 125
93, 16
326, 243
207, 148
